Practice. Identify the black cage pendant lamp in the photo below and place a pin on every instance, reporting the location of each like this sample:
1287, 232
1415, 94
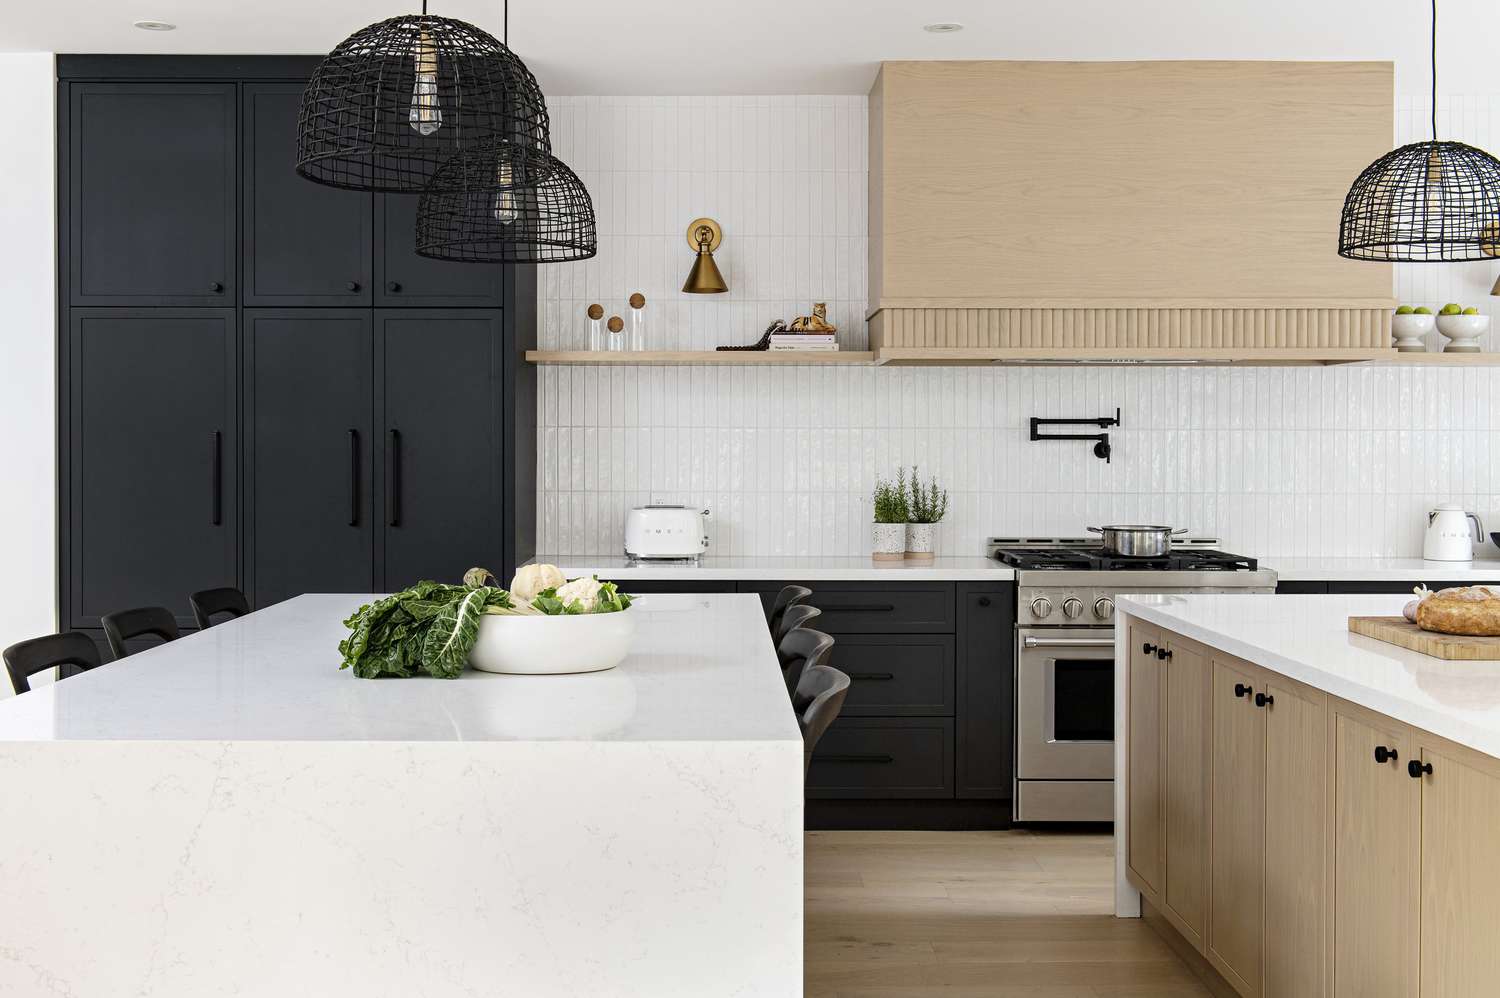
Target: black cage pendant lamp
506, 202
1427, 202
396, 100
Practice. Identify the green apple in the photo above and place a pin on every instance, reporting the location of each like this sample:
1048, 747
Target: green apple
1421, 310
1451, 309
1471, 310
1404, 310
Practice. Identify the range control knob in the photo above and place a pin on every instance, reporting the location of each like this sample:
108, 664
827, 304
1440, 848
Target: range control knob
1104, 607
1041, 607
1072, 607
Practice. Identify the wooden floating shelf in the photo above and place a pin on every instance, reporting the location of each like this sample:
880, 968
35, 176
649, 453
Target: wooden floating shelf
1037, 357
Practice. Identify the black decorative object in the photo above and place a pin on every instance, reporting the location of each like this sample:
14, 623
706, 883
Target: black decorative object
1427, 202
764, 343
506, 203
395, 101
1101, 446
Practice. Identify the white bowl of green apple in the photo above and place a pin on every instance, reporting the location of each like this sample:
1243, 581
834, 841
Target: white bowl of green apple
1409, 325
1462, 327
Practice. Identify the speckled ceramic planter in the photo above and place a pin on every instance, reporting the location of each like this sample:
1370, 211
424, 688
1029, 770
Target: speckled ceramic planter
889, 542
919, 541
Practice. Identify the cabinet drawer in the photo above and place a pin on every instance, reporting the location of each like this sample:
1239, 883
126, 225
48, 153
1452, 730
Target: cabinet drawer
894, 675
876, 607
892, 757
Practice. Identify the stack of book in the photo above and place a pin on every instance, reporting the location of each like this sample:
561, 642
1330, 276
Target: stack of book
804, 341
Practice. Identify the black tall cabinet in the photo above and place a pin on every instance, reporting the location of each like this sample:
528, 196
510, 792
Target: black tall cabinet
260, 383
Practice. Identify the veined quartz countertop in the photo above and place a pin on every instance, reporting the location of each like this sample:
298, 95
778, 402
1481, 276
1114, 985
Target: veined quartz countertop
1307, 638
974, 568
1383, 570
701, 668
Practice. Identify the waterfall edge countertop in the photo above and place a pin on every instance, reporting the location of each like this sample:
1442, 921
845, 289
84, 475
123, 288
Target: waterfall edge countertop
1307, 638
231, 811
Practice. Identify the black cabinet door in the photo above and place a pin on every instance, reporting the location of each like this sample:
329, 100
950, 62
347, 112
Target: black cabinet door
986, 690
309, 438
402, 278
151, 194
153, 452
440, 375
305, 243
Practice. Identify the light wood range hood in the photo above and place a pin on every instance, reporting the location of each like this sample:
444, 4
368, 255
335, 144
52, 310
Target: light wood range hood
1123, 211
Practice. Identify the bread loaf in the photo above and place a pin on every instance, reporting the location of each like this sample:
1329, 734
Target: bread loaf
1469, 610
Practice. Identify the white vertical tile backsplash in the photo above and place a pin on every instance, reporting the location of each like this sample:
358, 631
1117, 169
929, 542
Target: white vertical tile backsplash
1338, 461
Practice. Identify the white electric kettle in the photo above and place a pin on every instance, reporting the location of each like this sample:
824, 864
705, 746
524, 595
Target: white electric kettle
1449, 535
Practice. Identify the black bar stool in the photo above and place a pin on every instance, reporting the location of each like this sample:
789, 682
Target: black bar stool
208, 603
799, 651
122, 625
25, 659
824, 689
789, 596
796, 616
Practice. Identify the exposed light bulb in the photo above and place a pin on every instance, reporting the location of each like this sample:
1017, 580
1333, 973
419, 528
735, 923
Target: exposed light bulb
426, 116
505, 200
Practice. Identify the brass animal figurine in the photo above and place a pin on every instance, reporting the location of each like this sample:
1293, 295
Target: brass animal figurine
815, 323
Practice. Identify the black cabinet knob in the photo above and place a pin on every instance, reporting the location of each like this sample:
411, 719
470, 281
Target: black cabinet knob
1384, 755
1264, 700
1148, 648
1415, 769
352, 285
394, 287
1163, 653
216, 287
1241, 690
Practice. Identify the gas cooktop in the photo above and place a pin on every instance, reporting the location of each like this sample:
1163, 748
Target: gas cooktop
1088, 555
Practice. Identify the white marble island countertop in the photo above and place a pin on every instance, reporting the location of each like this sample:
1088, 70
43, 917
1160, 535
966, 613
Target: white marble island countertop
232, 814
1307, 638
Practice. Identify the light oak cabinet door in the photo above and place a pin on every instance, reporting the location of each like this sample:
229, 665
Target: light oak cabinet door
1375, 847
1185, 786
1296, 936
1460, 878
1237, 836
1146, 847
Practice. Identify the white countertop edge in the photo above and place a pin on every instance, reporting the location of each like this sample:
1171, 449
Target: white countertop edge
1382, 570
1428, 719
958, 569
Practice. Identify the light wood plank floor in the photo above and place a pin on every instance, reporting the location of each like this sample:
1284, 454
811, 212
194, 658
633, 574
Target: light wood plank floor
976, 915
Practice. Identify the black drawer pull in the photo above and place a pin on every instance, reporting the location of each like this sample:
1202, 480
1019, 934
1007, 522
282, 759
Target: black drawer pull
860, 608
353, 478
874, 677
875, 759
1241, 690
393, 481
217, 461
1384, 755
1148, 649
1415, 769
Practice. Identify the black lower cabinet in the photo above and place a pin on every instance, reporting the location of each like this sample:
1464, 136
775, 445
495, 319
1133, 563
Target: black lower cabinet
150, 477
869, 758
309, 444
986, 691
440, 428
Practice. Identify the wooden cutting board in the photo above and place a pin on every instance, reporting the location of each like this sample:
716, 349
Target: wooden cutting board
1400, 631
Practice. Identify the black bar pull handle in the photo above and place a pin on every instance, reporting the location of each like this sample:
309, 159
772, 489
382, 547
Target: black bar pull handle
873, 759
861, 608
217, 462
353, 477
874, 677
393, 481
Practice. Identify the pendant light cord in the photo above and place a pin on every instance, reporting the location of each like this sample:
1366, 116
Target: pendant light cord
505, 35
1434, 70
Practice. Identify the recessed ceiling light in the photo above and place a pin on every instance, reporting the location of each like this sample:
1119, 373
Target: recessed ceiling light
155, 26
943, 27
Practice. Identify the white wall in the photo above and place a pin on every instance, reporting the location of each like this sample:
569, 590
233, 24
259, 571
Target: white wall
28, 494
1275, 461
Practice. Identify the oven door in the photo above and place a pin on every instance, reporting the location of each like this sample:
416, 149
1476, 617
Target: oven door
1065, 703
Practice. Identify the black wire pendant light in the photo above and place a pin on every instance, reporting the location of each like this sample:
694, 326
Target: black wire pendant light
396, 100
1427, 202
506, 202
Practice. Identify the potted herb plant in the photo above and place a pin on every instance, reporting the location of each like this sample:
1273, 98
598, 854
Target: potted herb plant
890, 520
925, 508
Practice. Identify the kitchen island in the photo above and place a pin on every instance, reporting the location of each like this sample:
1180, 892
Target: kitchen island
232, 814
1307, 811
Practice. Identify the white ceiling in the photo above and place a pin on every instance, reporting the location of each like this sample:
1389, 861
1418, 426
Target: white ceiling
801, 46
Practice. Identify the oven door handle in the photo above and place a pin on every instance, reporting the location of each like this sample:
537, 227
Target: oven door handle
1030, 642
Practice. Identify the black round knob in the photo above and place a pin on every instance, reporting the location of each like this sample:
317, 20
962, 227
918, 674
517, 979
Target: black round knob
216, 287
393, 286
1148, 648
1241, 690
1263, 700
1384, 755
1415, 769
1164, 653
352, 285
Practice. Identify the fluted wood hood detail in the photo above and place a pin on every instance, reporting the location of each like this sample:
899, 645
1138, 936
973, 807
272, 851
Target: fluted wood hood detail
1130, 205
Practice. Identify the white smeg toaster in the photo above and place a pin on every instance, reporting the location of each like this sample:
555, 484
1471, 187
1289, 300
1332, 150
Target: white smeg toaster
665, 532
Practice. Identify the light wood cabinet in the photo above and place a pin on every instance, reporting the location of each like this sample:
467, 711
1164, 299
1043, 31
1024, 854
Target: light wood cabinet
1185, 786
1147, 861
1237, 844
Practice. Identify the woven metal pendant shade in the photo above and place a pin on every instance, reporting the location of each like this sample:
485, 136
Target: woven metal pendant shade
506, 204
395, 101
1424, 202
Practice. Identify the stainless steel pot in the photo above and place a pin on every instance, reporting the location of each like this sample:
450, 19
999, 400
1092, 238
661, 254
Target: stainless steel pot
1136, 540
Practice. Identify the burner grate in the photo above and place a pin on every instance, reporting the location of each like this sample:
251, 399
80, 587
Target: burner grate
1094, 559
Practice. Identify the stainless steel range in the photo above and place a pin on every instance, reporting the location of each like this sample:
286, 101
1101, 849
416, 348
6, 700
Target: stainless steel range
1065, 648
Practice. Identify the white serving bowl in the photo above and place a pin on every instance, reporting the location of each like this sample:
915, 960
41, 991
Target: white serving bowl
545, 646
1463, 331
1409, 329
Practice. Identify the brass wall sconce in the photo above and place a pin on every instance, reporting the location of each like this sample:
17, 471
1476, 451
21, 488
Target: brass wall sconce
705, 235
